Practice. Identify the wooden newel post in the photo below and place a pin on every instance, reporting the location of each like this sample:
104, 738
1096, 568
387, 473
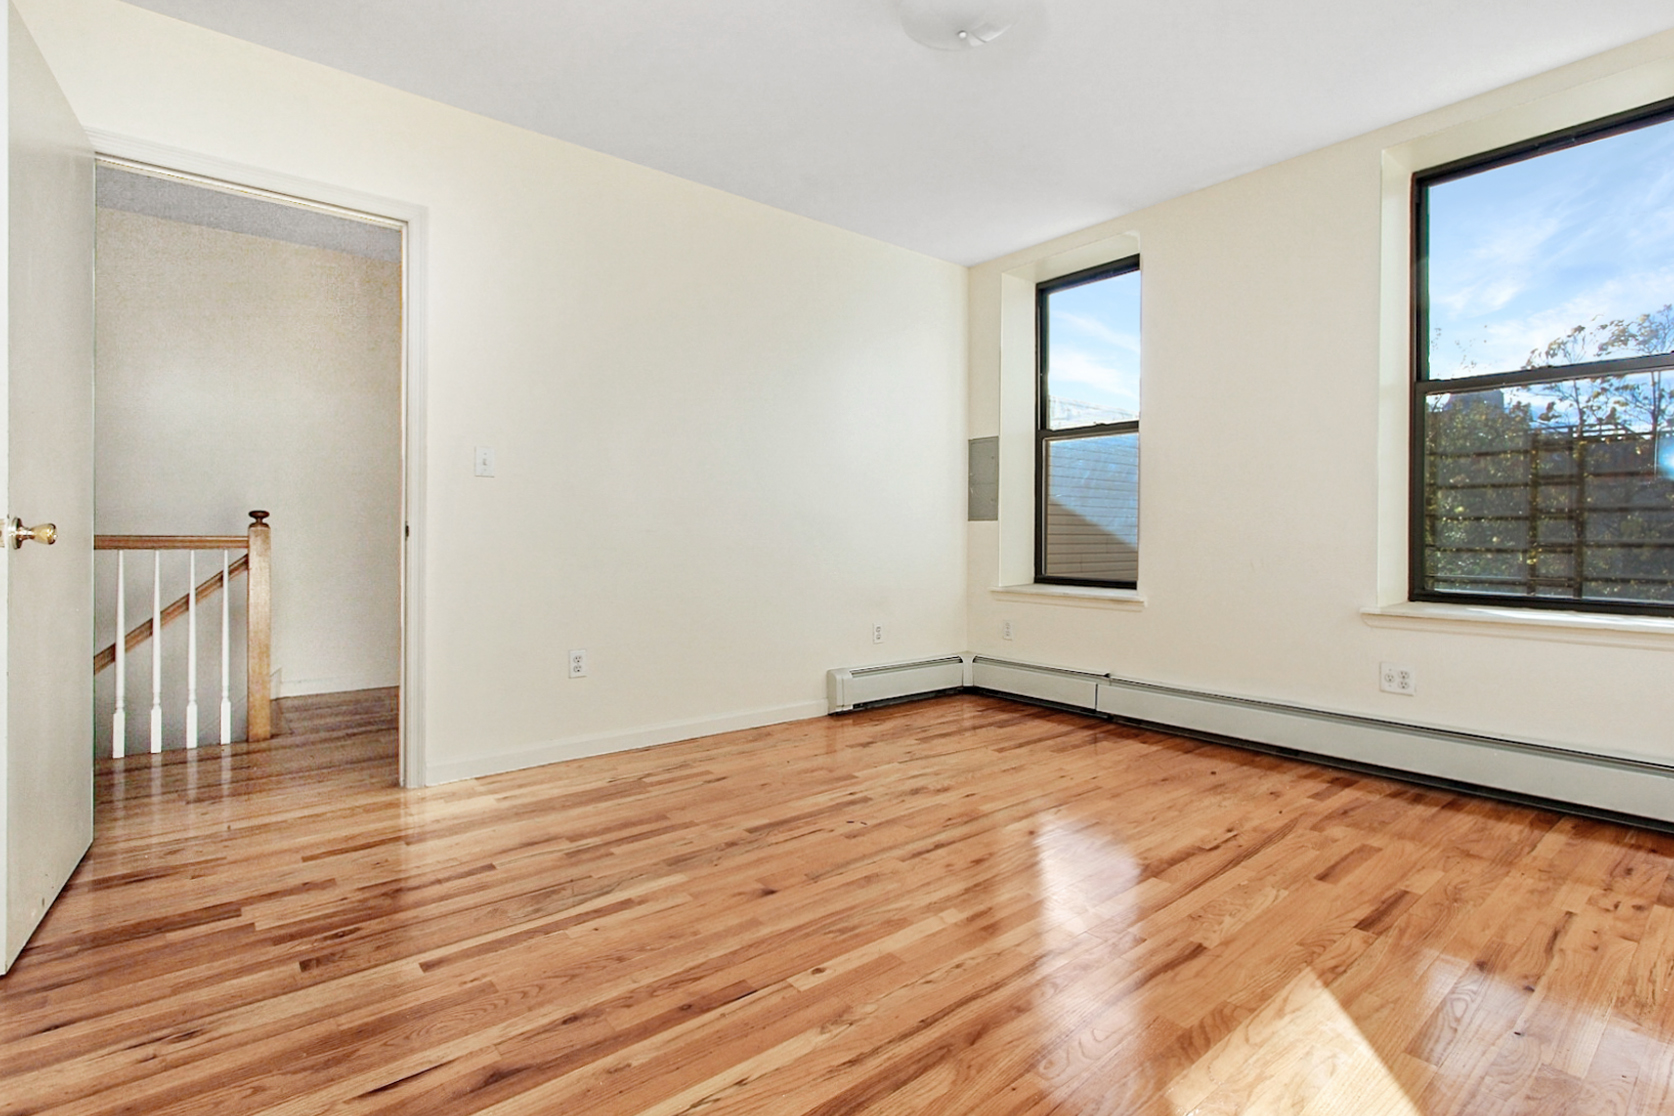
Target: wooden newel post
259, 628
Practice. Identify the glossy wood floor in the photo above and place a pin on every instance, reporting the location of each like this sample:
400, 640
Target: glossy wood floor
954, 907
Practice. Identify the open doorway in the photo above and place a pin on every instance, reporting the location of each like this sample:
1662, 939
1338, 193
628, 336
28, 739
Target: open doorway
250, 355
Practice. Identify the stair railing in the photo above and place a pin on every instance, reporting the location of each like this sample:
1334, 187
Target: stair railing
256, 564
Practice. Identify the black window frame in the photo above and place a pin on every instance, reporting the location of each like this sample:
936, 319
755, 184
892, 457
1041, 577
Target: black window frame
1045, 435
1423, 386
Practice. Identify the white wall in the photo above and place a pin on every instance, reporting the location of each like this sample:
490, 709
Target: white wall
729, 439
239, 372
1273, 468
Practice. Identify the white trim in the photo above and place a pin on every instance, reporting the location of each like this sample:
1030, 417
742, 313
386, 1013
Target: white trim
1018, 407
414, 511
579, 747
1128, 600
1620, 782
415, 271
1394, 382
1654, 633
1567, 107
1065, 257
243, 190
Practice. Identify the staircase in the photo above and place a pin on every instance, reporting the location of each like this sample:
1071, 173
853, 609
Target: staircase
135, 555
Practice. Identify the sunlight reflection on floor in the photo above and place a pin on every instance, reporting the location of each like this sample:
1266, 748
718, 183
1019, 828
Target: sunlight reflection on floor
1067, 858
1300, 1054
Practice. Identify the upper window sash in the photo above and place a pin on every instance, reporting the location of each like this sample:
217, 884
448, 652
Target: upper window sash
1635, 120
1045, 420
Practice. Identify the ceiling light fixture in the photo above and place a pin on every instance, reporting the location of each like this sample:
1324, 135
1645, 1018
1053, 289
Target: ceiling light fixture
957, 24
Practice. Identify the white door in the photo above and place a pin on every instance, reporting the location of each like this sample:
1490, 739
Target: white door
46, 476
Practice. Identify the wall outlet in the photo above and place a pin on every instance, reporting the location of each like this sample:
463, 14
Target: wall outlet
578, 664
1393, 678
877, 633
1005, 629
485, 461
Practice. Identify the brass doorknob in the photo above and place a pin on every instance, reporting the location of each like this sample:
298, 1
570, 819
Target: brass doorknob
46, 533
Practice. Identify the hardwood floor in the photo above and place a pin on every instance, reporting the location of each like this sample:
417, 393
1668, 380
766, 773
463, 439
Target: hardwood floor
356, 711
959, 906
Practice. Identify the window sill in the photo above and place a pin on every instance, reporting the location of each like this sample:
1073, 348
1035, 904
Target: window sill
1128, 600
1655, 632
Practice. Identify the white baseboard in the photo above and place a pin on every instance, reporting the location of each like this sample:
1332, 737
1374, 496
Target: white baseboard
1638, 786
579, 747
1618, 784
1634, 786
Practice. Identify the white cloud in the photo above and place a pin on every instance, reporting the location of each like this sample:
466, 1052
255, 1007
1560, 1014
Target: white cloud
1504, 344
1500, 267
1093, 327
1086, 378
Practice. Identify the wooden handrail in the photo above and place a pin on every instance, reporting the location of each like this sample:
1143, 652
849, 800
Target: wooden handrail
170, 542
176, 609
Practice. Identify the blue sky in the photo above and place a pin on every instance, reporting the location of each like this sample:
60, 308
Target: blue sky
1093, 331
1522, 253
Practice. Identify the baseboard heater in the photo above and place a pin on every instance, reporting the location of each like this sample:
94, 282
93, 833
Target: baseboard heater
864, 687
1618, 786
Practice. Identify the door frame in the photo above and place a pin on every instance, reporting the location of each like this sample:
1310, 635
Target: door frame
415, 256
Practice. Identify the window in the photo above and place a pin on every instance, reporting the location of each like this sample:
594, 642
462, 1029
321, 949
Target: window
1543, 397
1087, 431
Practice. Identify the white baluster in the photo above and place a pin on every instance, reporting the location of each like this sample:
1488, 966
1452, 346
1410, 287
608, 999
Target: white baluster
156, 651
119, 719
226, 640
191, 649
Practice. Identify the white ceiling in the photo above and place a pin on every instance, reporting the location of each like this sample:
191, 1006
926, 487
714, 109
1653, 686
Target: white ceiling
1085, 110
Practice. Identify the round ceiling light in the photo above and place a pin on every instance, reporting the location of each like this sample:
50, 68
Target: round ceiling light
957, 24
